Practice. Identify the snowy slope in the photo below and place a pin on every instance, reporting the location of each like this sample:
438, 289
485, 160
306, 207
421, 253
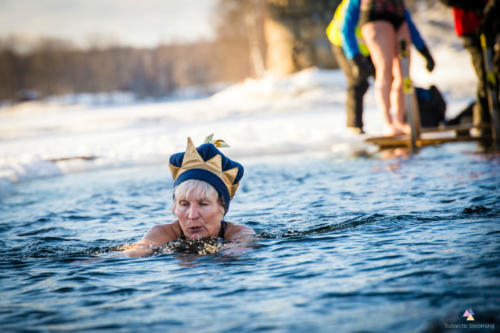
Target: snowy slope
303, 112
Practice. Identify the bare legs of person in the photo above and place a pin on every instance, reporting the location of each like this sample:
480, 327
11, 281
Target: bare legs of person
382, 41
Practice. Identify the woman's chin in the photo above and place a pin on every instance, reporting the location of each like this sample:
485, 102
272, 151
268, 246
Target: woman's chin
197, 235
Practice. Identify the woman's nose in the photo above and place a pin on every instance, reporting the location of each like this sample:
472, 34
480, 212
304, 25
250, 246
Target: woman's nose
193, 212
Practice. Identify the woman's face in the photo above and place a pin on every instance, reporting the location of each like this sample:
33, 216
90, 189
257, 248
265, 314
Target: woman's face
199, 215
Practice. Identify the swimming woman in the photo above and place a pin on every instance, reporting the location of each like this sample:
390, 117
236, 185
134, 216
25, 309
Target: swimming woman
205, 181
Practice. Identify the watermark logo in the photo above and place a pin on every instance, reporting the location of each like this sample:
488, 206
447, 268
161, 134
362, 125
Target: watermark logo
470, 322
469, 314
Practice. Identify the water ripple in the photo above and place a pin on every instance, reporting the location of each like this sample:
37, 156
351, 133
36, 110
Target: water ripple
341, 242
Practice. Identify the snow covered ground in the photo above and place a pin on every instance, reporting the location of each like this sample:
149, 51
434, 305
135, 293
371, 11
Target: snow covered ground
303, 112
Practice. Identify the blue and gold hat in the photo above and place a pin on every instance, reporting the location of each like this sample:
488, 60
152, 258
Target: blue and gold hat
208, 164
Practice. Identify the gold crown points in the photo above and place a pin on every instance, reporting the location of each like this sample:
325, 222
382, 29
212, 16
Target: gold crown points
193, 160
218, 143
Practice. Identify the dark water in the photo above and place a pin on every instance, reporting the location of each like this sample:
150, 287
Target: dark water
346, 245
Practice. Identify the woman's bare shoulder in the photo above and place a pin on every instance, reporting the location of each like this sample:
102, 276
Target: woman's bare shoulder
238, 232
163, 233
154, 238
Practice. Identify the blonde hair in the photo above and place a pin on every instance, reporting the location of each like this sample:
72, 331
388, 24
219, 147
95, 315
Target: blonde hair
196, 188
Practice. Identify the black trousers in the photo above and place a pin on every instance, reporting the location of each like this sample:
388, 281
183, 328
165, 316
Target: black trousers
481, 115
356, 89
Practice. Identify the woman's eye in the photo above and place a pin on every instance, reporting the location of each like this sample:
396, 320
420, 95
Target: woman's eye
184, 203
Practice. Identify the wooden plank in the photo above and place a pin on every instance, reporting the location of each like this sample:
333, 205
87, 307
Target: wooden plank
461, 127
403, 141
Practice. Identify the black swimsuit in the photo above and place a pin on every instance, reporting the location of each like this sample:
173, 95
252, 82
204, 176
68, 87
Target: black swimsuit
393, 19
391, 11
222, 230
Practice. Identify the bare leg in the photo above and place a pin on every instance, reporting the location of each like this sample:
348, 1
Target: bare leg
380, 38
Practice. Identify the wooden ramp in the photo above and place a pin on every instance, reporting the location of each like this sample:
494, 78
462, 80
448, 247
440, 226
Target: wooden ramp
428, 137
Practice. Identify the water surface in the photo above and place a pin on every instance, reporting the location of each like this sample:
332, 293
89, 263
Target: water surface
345, 244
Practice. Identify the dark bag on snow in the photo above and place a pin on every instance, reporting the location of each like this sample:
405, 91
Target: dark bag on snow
431, 105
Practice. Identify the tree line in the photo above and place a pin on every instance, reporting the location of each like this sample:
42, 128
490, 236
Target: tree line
56, 70
57, 67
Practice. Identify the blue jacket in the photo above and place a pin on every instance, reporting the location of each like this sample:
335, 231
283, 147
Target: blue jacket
350, 44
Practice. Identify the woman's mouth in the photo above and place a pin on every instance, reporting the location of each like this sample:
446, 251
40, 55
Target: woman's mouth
195, 230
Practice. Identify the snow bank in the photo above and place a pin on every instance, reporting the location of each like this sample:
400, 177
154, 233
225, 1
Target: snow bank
269, 116
304, 112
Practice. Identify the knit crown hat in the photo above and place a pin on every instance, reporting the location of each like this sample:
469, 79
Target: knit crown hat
208, 164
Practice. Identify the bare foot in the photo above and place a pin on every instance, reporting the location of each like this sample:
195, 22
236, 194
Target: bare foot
403, 127
391, 130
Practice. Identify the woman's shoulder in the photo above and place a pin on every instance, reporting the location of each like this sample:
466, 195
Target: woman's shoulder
238, 232
163, 233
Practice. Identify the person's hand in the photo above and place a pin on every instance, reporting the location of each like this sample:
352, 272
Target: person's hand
361, 67
430, 63
428, 58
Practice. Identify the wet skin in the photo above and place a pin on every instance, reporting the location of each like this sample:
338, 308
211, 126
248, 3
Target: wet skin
199, 216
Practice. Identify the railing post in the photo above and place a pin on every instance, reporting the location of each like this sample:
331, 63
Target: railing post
410, 103
491, 84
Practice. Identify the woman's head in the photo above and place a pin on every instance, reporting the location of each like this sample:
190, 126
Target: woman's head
199, 209
208, 164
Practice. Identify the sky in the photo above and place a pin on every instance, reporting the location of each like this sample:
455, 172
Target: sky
141, 23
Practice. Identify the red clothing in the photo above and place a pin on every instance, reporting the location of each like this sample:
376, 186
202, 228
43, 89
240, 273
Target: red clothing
466, 21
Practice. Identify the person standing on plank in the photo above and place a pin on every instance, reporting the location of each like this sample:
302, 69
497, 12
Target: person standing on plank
356, 77
383, 24
471, 19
